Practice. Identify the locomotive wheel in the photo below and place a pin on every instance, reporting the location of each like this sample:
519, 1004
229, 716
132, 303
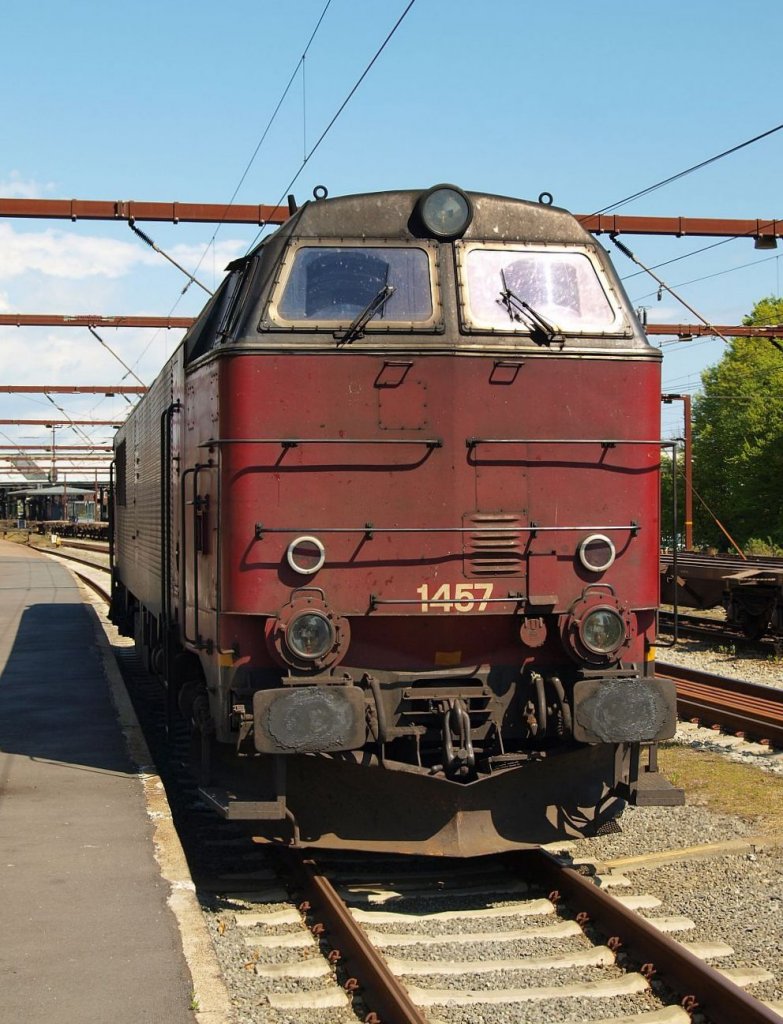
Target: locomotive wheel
754, 626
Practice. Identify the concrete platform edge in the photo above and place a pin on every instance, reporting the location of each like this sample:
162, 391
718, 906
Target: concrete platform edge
211, 1001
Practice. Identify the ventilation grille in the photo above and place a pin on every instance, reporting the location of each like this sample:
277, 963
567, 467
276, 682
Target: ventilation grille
494, 544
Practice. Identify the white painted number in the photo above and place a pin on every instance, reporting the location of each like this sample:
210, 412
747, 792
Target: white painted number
461, 598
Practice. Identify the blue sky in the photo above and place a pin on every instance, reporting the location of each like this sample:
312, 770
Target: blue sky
167, 101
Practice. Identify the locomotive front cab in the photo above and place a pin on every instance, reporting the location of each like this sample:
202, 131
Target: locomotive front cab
430, 426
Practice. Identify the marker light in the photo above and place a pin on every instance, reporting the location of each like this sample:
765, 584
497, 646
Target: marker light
597, 553
306, 555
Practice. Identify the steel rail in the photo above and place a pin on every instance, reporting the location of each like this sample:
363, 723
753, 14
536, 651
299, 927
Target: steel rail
104, 595
100, 547
700, 985
735, 703
384, 995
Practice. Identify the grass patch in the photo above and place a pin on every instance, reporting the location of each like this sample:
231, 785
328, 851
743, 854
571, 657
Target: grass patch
725, 786
16, 536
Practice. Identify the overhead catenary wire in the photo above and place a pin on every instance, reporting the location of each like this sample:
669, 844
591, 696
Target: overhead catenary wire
146, 238
111, 351
688, 170
706, 277
75, 427
267, 128
246, 171
627, 252
331, 124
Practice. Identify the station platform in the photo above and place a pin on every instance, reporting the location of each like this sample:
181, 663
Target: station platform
88, 934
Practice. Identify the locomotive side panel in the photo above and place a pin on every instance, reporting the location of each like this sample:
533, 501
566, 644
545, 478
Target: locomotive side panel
137, 506
199, 523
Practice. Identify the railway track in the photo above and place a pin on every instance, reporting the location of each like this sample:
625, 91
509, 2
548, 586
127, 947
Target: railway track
715, 630
385, 949
749, 709
87, 545
99, 559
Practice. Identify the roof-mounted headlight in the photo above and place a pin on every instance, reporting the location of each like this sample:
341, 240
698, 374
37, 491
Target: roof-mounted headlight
443, 212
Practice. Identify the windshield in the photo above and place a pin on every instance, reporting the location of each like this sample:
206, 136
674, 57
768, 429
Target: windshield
337, 283
563, 287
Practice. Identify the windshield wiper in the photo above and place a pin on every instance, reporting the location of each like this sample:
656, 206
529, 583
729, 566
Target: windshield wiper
524, 313
356, 328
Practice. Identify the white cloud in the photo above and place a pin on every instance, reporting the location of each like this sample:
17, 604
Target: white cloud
62, 254
16, 187
58, 254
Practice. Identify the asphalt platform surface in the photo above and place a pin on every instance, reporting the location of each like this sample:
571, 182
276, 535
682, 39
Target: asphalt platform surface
86, 934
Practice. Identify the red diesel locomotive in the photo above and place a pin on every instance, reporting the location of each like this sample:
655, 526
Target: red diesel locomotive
387, 526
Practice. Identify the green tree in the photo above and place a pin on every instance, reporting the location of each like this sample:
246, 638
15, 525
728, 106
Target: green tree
738, 439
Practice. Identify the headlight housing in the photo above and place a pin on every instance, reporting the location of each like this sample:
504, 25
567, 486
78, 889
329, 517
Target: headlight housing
443, 212
597, 629
307, 634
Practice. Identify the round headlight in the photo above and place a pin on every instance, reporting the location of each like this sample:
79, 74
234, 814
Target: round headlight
310, 635
445, 211
602, 631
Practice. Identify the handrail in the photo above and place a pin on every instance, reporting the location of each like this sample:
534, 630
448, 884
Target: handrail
194, 470
370, 528
294, 442
472, 442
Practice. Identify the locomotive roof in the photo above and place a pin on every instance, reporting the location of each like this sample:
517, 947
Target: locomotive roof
388, 214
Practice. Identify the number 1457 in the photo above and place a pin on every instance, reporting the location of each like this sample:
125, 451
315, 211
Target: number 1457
462, 597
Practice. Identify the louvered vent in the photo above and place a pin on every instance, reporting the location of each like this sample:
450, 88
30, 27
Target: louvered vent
494, 544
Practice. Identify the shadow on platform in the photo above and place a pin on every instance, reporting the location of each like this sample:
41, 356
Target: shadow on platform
54, 696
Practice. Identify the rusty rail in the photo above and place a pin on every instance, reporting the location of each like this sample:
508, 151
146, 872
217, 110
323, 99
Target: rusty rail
736, 704
700, 985
386, 999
